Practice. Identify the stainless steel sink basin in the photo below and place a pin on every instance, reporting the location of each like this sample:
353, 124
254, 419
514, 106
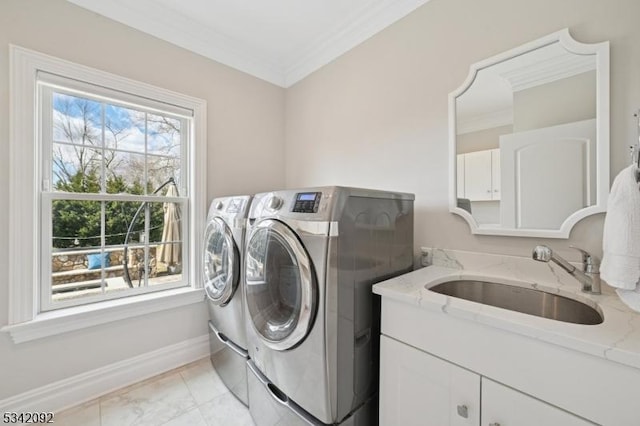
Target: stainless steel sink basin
524, 300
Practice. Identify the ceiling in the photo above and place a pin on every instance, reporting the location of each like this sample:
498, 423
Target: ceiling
280, 41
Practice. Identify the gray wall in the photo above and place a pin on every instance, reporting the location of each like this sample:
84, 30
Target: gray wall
245, 124
377, 116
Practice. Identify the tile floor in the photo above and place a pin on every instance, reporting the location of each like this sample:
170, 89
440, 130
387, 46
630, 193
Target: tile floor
192, 395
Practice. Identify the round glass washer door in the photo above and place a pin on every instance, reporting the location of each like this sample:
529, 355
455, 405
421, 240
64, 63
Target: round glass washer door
221, 264
280, 285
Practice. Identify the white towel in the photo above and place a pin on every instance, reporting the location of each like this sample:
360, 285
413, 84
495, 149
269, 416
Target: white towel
621, 238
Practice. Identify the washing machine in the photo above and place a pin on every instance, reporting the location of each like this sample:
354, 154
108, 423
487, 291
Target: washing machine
223, 280
313, 323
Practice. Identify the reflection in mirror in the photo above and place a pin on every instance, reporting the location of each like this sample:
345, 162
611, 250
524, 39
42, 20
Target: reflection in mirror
529, 139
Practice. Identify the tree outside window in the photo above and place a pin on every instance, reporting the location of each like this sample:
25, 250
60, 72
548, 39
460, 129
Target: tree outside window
101, 147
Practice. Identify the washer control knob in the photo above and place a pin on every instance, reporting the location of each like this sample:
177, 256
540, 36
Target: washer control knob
219, 205
274, 203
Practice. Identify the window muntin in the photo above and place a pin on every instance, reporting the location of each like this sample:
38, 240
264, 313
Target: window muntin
103, 160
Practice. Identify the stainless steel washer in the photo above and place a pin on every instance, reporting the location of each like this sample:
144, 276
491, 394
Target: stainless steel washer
223, 280
311, 258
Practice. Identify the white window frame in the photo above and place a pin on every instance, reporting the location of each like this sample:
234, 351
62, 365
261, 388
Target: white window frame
26, 322
48, 85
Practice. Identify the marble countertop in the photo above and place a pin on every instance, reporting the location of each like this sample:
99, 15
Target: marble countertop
616, 339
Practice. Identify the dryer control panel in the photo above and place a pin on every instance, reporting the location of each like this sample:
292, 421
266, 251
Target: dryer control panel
307, 202
236, 205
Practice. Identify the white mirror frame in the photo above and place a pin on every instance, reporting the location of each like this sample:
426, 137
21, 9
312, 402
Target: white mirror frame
601, 50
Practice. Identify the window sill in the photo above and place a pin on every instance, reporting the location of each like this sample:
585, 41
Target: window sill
80, 317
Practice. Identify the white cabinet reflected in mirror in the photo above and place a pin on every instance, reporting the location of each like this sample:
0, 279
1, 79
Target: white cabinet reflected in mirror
529, 139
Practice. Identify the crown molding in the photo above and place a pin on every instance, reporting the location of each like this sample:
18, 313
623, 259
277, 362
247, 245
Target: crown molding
339, 40
168, 25
549, 70
488, 120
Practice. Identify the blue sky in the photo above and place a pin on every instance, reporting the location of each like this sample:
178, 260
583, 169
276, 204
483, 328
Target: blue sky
129, 122
124, 130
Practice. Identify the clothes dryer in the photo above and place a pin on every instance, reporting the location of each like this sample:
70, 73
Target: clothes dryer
311, 258
223, 280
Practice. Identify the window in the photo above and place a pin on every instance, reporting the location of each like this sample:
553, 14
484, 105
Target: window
112, 194
113, 171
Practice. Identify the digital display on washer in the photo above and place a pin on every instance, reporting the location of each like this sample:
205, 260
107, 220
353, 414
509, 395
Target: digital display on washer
307, 202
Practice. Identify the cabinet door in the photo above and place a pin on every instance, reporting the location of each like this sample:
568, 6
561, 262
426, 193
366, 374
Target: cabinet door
495, 174
477, 176
503, 406
419, 389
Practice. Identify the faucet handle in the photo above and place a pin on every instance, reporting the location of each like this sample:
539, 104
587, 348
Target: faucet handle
590, 263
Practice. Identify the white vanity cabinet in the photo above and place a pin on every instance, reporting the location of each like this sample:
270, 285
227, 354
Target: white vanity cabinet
532, 370
534, 382
417, 388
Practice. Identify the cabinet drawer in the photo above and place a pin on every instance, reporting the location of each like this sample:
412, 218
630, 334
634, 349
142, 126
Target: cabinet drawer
419, 389
504, 406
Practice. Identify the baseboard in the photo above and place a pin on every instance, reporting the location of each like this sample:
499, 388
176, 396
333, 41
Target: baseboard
84, 387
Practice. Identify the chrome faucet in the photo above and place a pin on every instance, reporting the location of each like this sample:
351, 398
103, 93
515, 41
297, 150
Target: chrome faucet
589, 277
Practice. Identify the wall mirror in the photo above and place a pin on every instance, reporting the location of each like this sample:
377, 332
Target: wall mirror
529, 139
